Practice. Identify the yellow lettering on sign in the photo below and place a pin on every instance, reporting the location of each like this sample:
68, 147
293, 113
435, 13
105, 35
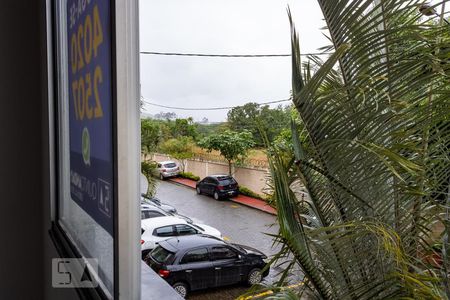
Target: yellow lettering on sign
98, 78
84, 42
98, 32
88, 39
89, 109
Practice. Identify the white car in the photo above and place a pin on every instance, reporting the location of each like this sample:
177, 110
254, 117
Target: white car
167, 169
158, 229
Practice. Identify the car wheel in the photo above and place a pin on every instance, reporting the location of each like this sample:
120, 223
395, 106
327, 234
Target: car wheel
216, 195
199, 191
161, 176
181, 288
254, 276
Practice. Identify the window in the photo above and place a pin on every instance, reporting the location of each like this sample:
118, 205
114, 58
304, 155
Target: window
211, 180
164, 231
161, 255
147, 214
170, 165
197, 255
183, 229
227, 180
219, 253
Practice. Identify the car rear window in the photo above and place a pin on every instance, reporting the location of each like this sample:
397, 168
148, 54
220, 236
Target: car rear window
162, 255
226, 180
170, 165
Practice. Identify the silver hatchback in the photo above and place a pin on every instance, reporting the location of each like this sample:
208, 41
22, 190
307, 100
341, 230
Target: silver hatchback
168, 169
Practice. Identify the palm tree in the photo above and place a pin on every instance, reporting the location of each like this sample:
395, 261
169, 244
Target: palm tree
375, 160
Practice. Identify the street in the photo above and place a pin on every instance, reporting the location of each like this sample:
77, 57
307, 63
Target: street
238, 224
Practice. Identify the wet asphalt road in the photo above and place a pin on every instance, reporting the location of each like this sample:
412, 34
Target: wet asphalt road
238, 224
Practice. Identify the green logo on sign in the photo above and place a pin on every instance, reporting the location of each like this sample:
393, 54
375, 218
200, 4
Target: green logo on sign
86, 147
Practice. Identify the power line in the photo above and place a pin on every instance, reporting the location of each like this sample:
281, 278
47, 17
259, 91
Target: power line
213, 108
227, 55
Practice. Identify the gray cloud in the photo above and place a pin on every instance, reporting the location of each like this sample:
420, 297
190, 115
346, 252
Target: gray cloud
221, 27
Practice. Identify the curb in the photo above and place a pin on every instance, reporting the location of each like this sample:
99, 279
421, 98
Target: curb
232, 199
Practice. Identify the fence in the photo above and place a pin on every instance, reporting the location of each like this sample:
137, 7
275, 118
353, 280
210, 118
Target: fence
253, 178
248, 162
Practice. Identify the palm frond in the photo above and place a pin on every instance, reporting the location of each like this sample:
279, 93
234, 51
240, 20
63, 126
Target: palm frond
375, 162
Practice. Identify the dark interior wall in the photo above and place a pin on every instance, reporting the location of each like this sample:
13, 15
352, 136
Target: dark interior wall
25, 247
21, 151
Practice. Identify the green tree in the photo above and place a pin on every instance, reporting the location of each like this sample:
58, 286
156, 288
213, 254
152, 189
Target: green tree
259, 118
180, 148
183, 127
150, 136
231, 145
376, 113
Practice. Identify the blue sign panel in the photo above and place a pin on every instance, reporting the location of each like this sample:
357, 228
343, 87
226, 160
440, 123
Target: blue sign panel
90, 105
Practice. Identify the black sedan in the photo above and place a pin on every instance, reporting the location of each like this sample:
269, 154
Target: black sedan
219, 186
196, 262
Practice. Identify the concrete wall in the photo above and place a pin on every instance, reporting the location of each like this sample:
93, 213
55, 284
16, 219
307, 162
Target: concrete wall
252, 178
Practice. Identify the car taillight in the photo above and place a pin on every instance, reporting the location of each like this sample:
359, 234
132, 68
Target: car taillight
164, 273
220, 187
164, 170
142, 241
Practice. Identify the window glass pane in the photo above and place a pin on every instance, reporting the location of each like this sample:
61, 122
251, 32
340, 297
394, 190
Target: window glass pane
198, 255
170, 165
161, 255
219, 253
147, 214
155, 214
226, 181
165, 231
185, 229
85, 148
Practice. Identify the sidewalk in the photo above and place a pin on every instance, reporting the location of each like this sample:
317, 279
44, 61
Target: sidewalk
241, 199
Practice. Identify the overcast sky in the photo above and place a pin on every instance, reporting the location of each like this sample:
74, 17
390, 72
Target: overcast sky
221, 27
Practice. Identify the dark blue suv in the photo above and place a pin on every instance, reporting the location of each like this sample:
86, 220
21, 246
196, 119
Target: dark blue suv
218, 186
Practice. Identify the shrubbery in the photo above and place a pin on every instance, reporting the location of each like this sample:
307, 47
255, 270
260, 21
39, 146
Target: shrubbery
189, 175
147, 168
248, 192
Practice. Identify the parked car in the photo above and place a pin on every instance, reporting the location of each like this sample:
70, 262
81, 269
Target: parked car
167, 169
155, 201
150, 210
155, 230
219, 186
190, 263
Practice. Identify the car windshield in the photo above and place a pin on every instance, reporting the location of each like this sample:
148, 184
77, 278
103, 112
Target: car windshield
239, 248
226, 180
161, 255
170, 165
